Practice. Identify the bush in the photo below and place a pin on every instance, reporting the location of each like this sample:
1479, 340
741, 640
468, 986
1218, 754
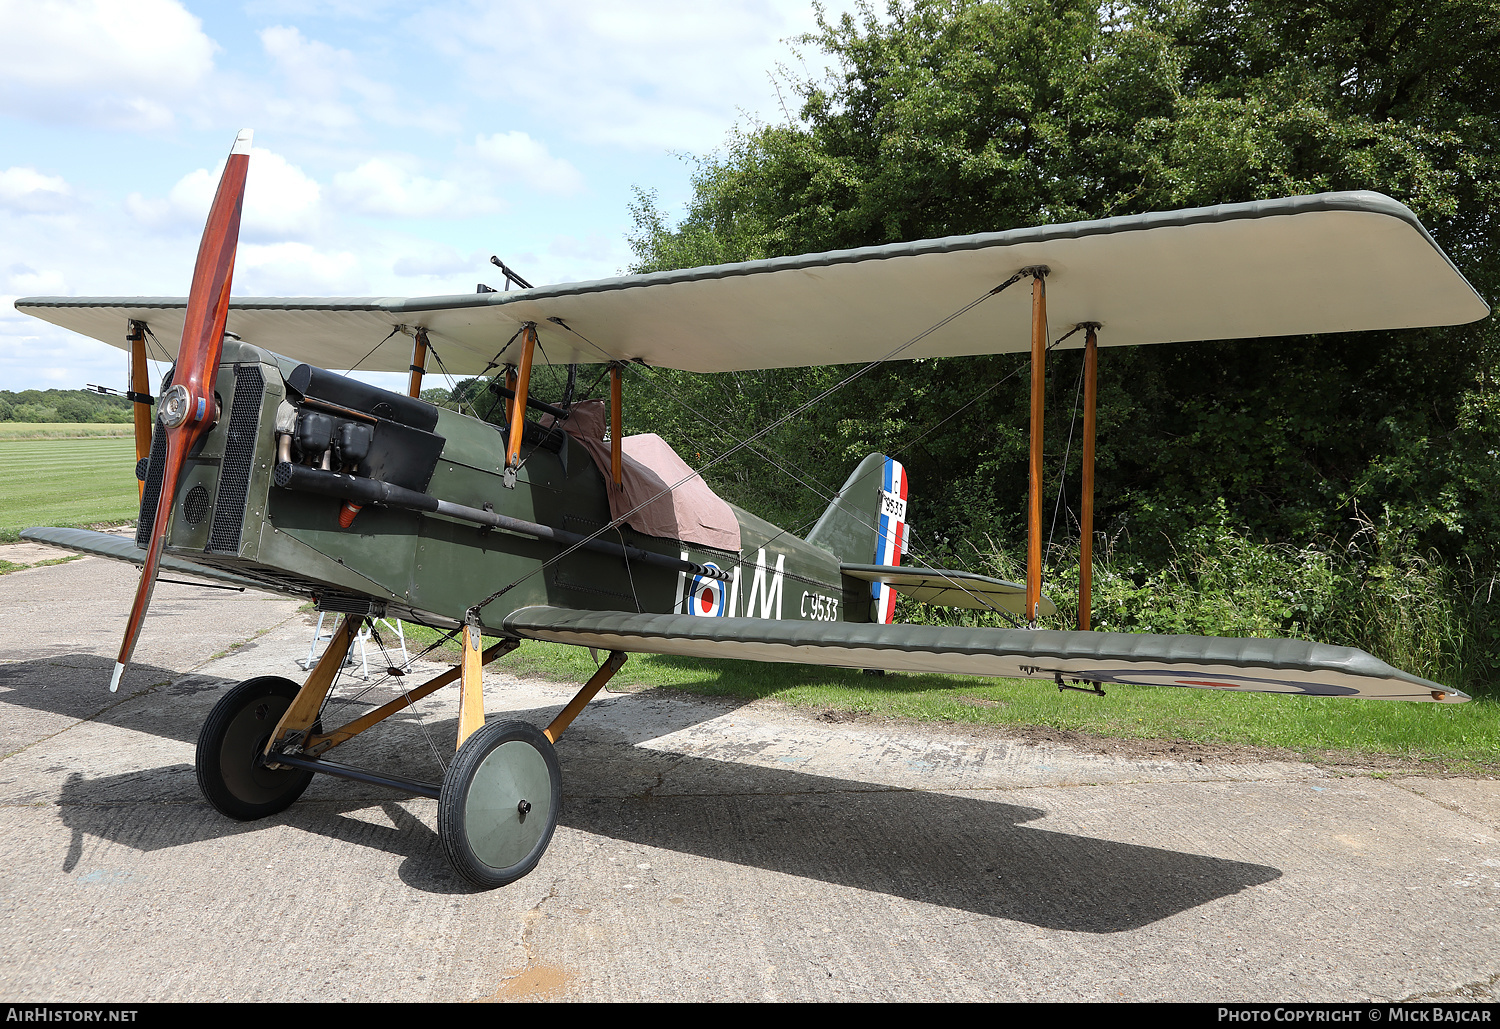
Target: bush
1372, 592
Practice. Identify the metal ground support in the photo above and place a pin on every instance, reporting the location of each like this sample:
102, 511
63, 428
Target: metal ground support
322, 742
303, 712
393, 624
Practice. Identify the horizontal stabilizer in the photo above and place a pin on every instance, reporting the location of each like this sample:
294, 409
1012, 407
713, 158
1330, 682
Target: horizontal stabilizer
123, 548
1199, 662
948, 588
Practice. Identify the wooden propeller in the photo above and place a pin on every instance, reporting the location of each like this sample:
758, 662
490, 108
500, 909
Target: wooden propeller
187, 410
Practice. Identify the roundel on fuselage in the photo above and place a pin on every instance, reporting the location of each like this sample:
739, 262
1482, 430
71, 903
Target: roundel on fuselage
707, 597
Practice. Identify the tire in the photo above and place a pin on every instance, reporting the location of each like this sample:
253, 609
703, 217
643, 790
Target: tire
229, 746
499, 803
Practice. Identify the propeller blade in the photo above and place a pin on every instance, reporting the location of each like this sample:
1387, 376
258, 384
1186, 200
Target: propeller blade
186, 411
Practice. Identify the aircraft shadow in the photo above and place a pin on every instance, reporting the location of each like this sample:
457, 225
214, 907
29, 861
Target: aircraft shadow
960, 852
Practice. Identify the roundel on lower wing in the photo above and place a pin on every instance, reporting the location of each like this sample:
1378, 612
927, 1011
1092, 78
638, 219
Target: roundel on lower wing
707, 598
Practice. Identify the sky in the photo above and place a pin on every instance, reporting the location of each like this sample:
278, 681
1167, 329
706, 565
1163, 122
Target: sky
397, 145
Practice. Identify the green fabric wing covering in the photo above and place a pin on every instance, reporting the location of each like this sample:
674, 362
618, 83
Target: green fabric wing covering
1200, 662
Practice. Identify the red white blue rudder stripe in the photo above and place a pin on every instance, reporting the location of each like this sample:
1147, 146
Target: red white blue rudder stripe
890, 535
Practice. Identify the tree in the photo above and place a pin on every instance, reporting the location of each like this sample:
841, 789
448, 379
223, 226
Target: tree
954, 116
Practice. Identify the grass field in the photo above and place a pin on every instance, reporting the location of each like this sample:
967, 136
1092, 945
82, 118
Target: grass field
1452, 737
77, 481
83, 481
62, 430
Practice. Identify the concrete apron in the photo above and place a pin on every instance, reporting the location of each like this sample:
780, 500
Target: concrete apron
706, 850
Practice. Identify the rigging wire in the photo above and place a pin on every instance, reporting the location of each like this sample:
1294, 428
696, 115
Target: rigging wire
822, 490
1062, 478
330, 700
452, 380
750, 440
376, 347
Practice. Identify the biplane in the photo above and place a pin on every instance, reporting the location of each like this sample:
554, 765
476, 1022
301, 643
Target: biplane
262, 467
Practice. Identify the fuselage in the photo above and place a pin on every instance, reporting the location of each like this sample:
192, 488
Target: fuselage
427, 566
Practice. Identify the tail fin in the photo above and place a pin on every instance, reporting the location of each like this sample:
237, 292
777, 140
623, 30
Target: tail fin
867, 522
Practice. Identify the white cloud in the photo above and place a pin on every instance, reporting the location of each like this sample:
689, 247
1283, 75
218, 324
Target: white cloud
296, 269
652, 74
388, 187
280, 200
311, 67
28, 190
27, 281
322, 80
122, 65
516, 157
437, 260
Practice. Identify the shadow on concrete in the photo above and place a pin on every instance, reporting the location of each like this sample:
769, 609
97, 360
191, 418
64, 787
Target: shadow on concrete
961, 852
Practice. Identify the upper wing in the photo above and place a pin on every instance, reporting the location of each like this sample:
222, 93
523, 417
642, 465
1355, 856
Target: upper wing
1336, 262
1202, 662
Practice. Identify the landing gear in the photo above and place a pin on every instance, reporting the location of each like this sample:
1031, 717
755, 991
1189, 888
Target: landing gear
499, 803
229, 747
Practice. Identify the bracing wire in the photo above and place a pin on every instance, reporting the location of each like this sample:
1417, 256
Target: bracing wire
1062, 478
750, 440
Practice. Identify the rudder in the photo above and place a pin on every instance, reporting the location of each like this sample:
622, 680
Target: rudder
867, 522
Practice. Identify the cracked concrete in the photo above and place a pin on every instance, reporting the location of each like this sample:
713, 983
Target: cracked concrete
705, 850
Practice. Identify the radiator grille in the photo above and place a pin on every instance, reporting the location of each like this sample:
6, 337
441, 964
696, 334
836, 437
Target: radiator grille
239, 458
155, 463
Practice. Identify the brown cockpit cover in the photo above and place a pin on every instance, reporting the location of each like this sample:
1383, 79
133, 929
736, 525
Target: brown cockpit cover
654, 498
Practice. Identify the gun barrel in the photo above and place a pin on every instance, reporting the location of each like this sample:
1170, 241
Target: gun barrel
364, 490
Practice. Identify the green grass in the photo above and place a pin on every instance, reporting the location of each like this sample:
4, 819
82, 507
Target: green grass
83, 481
63, 430
1455, 737
87, 481
11, 566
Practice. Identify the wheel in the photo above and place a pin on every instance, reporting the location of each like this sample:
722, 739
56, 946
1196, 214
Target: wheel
229, 746
499, 803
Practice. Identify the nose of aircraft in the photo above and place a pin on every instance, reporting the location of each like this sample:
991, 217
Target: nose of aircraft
187, 409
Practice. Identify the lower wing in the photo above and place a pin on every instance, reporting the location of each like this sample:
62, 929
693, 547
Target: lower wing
123, 548
1197, 662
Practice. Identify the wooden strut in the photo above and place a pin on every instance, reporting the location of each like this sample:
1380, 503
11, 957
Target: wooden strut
140, 385
596, 682
518, 402
471, 695
318, 744
1038, 390
303, 711
418, 363
1086, 528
